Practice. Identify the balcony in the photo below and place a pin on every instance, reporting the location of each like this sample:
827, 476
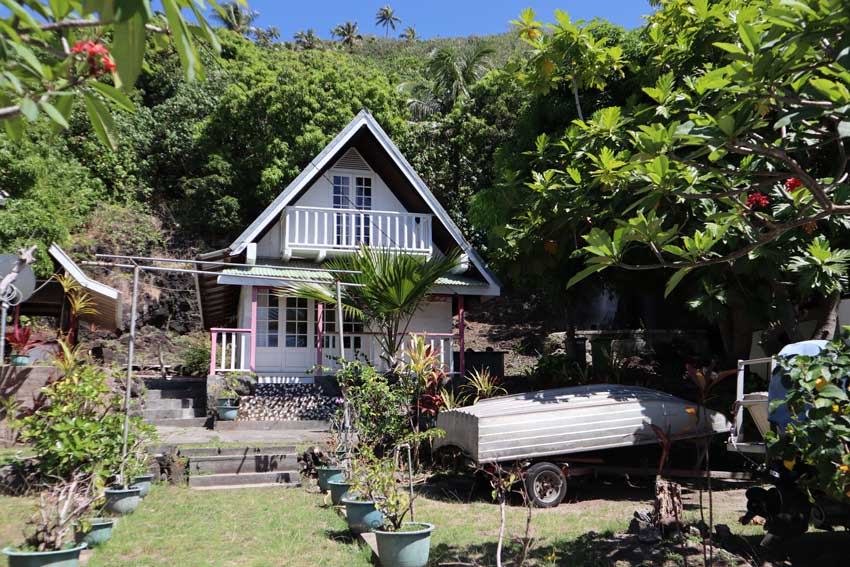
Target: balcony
321, 231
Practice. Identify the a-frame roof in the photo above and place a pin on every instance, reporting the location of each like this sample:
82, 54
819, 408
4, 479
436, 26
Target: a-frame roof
364, 121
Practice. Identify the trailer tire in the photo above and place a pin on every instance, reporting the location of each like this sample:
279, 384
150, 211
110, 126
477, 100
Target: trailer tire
546, 485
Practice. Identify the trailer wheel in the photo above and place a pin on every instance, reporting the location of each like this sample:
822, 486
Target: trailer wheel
546, 485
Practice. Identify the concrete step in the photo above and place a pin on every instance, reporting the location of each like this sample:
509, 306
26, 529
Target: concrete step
170, 394
290, 477
241, 464
182, 422
255, 485
295, 424
184, 413
231, 451
169, 403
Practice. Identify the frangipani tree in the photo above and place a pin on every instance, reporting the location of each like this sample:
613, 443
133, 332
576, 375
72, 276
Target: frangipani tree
389, 288
53, 51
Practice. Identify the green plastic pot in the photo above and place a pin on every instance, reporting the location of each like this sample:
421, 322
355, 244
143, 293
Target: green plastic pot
100, 531
327, 474
122, 501
226, 409
19, 359
143, 483
338, 488
409, 548
63, 558
362, 516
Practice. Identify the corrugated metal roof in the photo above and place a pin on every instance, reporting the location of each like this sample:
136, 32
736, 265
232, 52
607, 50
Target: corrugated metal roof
296, 270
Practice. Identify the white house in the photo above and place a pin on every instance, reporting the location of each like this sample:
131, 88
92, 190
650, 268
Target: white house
359, 190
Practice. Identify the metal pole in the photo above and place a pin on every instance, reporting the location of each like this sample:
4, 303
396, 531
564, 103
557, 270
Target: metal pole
3, 308
130, 350
340, 336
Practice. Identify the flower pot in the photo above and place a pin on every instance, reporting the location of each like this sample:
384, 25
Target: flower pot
327, 474
338, 488
362, 516
122, 501
408, 547
143, 483
63, 558
99, 531
226, 409
19, 359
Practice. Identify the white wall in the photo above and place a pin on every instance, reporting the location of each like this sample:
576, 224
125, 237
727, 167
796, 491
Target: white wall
433, 316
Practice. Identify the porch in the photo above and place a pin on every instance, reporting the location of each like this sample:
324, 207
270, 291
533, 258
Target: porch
289, 340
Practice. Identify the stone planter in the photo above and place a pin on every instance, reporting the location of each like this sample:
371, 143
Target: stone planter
327, 474
62, 558
19, 359
143, 483
226, 409
122, 501
362, 516
409, 547
100, 531
339, 489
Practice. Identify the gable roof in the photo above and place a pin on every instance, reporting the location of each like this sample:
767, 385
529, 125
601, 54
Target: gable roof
331, 152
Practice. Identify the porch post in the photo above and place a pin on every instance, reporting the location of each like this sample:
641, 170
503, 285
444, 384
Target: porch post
461, 327
253, 339
213, 349
320, 332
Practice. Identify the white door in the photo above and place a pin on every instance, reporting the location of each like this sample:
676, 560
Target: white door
298, 334
269, 353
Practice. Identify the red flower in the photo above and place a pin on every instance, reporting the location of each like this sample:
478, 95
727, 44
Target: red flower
757, 200
792, 184
97, 57
108, 65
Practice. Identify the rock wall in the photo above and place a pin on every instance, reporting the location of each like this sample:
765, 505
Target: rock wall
286, 402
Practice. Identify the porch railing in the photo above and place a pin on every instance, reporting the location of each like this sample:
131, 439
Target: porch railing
230, 350
442, 346
319, 228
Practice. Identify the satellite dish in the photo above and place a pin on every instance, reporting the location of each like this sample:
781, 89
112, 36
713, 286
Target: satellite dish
25, 281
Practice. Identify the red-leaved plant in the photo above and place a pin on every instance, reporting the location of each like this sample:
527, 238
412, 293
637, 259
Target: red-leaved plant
21, 340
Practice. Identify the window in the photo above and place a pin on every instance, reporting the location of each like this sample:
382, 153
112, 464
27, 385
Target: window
296, 322
268, 315
362, 202
352, 229
352, 329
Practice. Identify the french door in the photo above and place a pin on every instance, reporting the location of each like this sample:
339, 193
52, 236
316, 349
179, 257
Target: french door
284, 333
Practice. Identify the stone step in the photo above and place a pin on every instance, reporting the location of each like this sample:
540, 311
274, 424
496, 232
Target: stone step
175, 403
295, 424
290, 477
241, 464
183, 413
236, 451
170, 394
183, 422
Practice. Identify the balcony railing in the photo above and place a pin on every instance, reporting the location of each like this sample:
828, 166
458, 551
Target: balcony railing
323, 229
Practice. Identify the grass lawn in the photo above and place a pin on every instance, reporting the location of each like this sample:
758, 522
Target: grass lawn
291, 527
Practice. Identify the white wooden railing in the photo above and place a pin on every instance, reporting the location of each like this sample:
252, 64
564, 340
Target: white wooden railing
319, 228
230, 350
442, 346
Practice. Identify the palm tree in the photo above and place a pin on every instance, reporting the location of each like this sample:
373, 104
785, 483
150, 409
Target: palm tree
236, 17
392, 288
409, 34
386, 17
307, 40
348, 34
449, 74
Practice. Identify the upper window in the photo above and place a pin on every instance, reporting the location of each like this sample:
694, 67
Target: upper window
342, 192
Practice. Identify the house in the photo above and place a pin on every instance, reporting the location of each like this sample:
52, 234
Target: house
360, 190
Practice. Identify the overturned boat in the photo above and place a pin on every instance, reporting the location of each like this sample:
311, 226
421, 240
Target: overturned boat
542, 428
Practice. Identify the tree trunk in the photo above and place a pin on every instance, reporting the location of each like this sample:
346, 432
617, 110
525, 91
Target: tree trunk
578, 102
668, 509
828, 321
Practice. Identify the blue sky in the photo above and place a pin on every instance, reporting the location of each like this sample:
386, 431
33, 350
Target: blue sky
437, 18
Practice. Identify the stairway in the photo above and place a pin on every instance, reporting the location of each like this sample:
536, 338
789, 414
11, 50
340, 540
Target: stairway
212, 468
174, 403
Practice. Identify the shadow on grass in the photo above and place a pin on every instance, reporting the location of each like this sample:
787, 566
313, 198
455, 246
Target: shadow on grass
340, 536
812, 548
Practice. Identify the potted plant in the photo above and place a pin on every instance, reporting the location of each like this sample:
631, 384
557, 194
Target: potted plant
49, 539
95, 531
21, 342
138, 470
227, 397
400, 543
125, 496
360, 510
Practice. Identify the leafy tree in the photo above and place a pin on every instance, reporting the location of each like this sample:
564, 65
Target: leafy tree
55, 50
307, 39
409, 34
237, 17
387, 290
387, 18
348, 34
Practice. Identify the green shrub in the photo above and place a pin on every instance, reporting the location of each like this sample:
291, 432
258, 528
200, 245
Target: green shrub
195, 356
379, 409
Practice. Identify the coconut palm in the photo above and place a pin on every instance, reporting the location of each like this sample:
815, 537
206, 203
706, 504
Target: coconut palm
392, 288
449, 74
386, 17
348, 34
236, 17
307, 39
409, 34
